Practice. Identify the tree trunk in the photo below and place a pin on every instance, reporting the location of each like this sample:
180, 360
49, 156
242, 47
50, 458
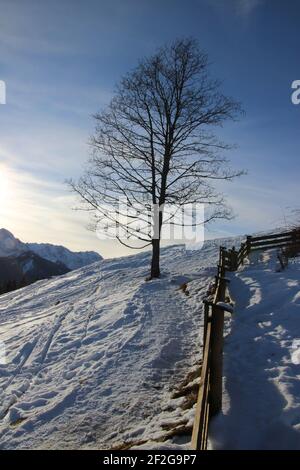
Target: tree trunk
155, 271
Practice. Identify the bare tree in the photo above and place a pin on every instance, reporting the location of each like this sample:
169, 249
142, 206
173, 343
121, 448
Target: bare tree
153, 146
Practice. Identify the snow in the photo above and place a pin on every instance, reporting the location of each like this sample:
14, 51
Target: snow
91, 359
262, 359
92, 356
29, 264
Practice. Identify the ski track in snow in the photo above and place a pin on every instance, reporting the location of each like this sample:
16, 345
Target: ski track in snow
261, 407
92, 355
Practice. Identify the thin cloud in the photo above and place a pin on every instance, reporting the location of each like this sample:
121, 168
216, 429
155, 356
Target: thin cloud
239, 7
246, 7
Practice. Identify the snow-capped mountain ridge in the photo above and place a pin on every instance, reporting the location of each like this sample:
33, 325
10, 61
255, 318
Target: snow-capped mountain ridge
71, 259
11, 246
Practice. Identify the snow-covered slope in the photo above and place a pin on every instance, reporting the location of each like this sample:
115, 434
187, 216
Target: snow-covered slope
91, 356
71, 259
89, 359
262, 359
11, 246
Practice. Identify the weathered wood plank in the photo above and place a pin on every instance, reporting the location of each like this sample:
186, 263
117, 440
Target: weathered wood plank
267, 245
216, 360
200, 416
272, 236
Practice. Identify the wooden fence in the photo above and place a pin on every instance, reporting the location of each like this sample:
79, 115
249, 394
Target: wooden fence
209, 401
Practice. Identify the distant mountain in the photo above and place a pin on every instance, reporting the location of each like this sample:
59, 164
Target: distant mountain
12, 246
71, 259
9, 245
24, 263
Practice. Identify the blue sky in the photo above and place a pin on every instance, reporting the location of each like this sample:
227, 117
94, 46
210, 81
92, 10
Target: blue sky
60, 61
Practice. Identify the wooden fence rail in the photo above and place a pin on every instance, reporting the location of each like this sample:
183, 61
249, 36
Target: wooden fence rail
209, 401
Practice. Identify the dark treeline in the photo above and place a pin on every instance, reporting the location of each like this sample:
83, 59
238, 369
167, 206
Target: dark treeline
11, 285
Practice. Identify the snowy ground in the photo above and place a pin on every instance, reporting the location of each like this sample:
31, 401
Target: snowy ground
262, 360
91, 356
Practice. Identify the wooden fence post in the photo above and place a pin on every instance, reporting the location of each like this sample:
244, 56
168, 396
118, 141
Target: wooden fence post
206, 315
248, 244
241, 253
222, 290
234, 259
216, 364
